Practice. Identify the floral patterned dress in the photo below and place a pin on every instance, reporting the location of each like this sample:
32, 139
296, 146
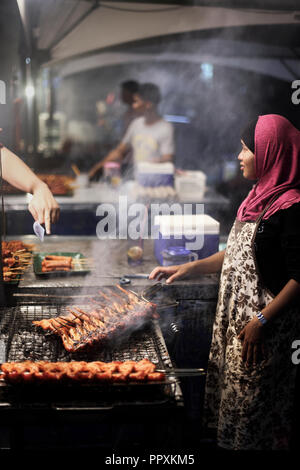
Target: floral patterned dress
249, 406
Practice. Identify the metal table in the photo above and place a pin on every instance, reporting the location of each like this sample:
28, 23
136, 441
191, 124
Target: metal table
78, 212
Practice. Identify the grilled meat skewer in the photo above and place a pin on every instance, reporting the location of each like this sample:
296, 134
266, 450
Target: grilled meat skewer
80, 371
81, 327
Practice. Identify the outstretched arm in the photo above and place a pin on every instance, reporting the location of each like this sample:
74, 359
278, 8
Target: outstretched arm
211, 264
43, 206
163, 159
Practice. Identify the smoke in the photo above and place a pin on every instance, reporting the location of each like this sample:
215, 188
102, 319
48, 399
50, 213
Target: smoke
219, 79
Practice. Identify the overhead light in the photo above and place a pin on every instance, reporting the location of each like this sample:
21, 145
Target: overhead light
29, 91
207, 71
176, 118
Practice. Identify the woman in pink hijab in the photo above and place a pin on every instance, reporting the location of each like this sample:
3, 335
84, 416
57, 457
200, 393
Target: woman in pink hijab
251, 376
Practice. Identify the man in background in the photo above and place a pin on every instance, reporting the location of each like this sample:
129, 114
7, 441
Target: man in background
150, 137
129, 89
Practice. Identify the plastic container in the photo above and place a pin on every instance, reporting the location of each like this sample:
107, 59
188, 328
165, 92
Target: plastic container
177, 255
82, 180
196, 233
190, 185
112, 173
155, 174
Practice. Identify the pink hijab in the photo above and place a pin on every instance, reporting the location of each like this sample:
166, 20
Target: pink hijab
277, 166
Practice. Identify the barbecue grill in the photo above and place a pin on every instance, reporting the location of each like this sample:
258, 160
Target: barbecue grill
20, 340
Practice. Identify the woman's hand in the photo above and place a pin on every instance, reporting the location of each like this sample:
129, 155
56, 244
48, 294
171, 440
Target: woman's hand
252, 336
43, 206
172, 273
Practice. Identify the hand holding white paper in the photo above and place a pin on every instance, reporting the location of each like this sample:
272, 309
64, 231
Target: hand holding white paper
39, 231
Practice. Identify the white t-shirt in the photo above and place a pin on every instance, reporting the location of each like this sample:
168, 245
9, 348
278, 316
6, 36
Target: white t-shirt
149, 142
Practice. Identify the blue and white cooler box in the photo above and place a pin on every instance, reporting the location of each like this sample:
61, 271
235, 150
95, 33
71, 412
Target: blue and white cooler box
155, 174
197, 233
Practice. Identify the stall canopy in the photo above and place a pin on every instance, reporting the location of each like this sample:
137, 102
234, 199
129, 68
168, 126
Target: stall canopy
86, 34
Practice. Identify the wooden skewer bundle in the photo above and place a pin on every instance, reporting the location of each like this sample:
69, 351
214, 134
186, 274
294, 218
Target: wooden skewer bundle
19, 268
16, 259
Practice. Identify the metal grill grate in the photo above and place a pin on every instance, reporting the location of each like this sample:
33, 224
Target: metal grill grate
24, 341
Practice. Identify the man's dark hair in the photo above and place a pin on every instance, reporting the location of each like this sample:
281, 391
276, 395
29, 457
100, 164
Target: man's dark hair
130, 85
150, 92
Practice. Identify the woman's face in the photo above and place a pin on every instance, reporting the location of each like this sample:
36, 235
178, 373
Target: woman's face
247, 162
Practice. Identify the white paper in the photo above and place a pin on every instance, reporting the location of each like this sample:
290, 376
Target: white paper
39, 231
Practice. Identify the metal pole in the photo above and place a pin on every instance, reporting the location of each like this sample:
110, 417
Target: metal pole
2, 291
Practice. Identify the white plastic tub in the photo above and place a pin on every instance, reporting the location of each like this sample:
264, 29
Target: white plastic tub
190, 184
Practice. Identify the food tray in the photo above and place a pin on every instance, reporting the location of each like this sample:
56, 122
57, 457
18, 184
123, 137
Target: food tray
78, 268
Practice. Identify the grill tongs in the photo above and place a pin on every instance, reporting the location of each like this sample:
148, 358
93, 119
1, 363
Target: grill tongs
150, 292
172, 372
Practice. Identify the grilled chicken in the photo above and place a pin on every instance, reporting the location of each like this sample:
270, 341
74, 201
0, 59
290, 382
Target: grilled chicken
82, 327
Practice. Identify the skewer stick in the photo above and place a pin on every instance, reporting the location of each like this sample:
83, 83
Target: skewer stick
15, 267
83, 265
84, 259
69, 322
22, 255
99, 304
89, 319
103, 295
57, 329
123, 290
117, 296
62, 323
76, 315
75, 169
13, 271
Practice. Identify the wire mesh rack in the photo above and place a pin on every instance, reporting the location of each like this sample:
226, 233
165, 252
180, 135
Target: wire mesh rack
25, 341
22, 340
